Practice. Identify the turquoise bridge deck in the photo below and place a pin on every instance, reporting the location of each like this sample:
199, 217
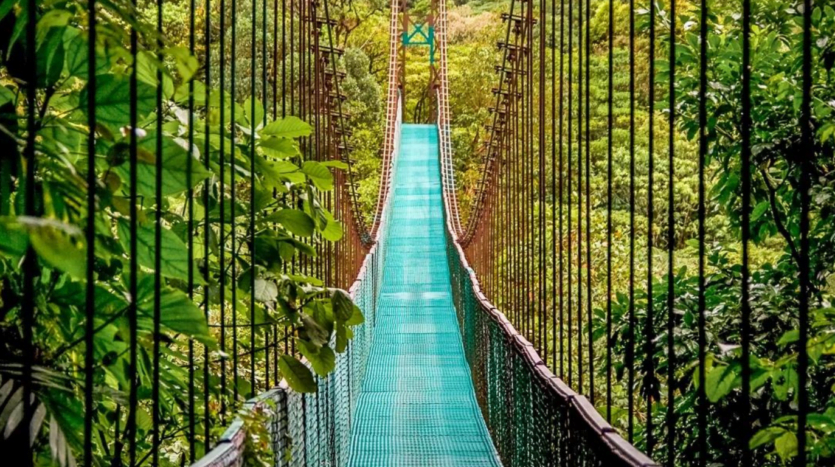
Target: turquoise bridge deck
417, 406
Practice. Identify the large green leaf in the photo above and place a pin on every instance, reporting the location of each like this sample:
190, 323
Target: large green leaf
147, 69
335, 164
295, 221
278, 148
297, 375
77, 55
721, 380
289, 127
177, 312
55, 247
53, 18
182, 94
59, 137
50, 57
322, 359
345, 309
332, 230
784, 382
765, 436
276, 172
113, 99
187, 64
258, 117
341, 337
173, 252
106, 302
6, 7
786, 445
357, 318
265, 291
230, 211
318, 174
14, 240
175, 157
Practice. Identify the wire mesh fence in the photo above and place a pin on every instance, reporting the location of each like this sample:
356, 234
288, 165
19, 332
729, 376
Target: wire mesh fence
533, 417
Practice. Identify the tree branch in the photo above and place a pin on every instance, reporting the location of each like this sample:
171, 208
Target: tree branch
775, 212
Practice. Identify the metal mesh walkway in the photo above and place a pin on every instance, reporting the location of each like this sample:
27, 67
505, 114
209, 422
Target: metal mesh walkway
417, 407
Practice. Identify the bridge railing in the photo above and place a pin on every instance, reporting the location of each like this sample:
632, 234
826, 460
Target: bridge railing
534, 418
315, 429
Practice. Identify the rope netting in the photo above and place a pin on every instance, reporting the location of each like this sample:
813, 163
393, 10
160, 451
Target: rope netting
535, 419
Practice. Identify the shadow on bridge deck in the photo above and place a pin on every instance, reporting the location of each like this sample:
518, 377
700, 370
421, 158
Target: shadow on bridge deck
417, 407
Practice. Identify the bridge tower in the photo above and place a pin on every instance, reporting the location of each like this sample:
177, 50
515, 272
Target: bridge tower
421, 33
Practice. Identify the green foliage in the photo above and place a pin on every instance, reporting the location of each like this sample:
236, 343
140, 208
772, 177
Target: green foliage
196, 164
258, 447
775, 232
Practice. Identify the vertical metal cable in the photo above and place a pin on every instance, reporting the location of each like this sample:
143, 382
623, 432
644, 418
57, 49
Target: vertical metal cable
649, 331
283, 57
158, 210
207, 228
253, 125
580, 350
588, 203
133, 396
702, 305
292, 110
264, 59
671, 237
516, 188
90, 236
511, 214
233, 214
221, 209
518, 146
609, 176
543, 315
570, 252
745, 226
561, 177
530, 183
554, 273
192, 434
804, 267
630, 349
523, 182
275, 56
30, 261
506, 186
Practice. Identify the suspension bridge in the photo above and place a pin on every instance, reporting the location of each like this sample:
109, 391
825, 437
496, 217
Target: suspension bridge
442, 377
224, 300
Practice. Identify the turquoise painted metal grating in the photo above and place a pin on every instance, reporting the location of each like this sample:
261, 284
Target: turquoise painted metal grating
417, 405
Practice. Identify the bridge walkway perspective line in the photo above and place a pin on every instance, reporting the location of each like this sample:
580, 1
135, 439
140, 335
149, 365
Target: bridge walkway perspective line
417, 406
